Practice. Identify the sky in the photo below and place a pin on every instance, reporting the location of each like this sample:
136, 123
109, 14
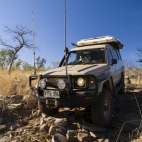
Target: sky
84, 19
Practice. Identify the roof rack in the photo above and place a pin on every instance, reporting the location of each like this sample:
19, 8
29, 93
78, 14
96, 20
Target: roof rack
100, 40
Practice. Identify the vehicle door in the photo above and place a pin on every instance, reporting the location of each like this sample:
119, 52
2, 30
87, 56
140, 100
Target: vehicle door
112, 67
118, 66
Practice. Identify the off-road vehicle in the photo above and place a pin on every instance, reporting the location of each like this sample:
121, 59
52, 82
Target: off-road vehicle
89, 75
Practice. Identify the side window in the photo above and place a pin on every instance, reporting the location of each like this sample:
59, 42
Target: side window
109, 56
116, 54
119, 55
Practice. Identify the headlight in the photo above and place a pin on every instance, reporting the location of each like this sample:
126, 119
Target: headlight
61, 84
42, 83
80, 82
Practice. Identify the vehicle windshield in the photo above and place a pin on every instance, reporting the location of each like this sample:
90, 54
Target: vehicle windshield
92, 56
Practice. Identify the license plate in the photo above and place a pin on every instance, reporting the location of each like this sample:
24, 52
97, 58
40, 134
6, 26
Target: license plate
51, 94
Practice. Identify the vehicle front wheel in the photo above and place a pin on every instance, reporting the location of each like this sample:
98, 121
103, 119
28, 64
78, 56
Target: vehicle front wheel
101, 112
42, 107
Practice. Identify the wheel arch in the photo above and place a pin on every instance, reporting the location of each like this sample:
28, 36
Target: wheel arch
107, 84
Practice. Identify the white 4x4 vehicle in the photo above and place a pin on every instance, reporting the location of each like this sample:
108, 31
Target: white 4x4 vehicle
93, 75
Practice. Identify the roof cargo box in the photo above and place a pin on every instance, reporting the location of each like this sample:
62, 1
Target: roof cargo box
100, 40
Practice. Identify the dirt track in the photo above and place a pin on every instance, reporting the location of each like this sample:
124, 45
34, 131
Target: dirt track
27, 124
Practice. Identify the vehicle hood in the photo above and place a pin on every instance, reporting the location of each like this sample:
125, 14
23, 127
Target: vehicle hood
76, 69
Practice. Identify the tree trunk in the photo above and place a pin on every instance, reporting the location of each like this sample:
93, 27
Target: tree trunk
11, 63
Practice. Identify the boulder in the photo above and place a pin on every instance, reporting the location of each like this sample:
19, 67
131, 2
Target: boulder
93, 128
57, 129
44, 127
15, 106
2, 127
82, 137
59, 138
60, 121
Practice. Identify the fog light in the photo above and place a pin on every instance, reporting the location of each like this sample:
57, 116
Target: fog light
42, 83
61, 84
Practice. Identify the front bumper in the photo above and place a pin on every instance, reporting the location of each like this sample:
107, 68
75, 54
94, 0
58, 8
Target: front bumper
70, 96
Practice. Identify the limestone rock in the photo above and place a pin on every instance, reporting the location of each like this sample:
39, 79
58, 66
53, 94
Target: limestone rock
71, 136
18, 131
82, 136
17, 98
5, 139
36, 114
98, 135
30, 101
43, 115
93, 128
2, 127
42, 121
49, 120
72, 132
15, 106
44, 127
13, 127
57, 129
2, 97
59, 138
11, 133
60, 121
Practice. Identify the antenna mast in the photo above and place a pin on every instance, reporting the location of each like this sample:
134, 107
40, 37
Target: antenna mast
33, 42
65, 51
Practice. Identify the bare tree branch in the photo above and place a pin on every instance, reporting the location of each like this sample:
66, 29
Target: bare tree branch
19, 36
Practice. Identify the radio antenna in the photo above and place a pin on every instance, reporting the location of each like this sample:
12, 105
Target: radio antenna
33, 42
65, 49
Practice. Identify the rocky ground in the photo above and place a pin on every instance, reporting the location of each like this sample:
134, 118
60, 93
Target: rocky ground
21, 121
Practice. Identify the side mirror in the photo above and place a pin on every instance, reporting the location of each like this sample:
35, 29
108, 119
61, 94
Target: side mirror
114, 61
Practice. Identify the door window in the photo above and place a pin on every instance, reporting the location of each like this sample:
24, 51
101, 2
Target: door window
110, 56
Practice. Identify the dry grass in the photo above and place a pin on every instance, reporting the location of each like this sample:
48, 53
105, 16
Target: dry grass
14, 83
136, 81
136, 134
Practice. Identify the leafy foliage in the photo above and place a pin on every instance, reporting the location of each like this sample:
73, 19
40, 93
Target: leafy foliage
5, 57
26, 66
40, 63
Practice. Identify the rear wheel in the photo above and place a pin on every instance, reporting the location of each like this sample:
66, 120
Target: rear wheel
101, 112
42, 107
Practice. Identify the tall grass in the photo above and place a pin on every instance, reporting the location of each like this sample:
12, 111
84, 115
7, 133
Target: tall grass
14, 83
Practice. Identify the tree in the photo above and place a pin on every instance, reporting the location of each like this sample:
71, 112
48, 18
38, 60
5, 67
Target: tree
55, 64
19, 40
5, 57
128, 65
139, 53
17, 64
40, 63
26, 66
48, 68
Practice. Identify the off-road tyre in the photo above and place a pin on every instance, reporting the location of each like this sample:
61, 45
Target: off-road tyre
48, 111
101, 112
122, 89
